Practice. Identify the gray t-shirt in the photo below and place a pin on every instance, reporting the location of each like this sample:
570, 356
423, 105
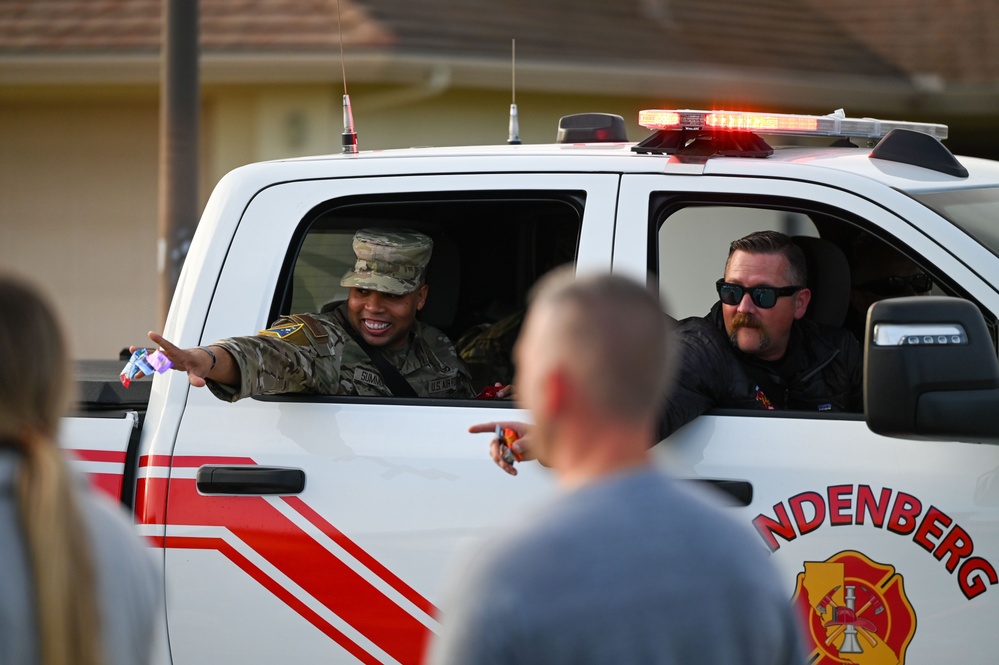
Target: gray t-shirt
130, 595
632, 569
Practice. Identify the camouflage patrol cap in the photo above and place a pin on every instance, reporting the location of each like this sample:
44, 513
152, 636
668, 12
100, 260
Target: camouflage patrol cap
389, 260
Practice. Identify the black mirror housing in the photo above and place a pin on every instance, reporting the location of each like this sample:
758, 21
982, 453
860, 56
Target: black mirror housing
930, 370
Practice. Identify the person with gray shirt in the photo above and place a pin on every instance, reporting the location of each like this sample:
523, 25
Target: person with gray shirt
625, 565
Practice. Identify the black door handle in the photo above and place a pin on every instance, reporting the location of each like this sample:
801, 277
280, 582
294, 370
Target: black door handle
740, 490
250, 480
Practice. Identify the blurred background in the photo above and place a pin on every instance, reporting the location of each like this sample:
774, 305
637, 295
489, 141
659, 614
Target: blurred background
80, 99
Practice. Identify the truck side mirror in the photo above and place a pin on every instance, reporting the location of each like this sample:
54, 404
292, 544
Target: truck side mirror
930, 370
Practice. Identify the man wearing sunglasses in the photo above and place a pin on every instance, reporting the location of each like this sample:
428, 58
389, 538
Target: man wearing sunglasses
755, 349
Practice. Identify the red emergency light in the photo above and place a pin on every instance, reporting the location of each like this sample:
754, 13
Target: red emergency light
834, 124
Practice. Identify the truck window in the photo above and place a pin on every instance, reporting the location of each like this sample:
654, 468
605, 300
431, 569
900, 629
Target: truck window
973, 210
489, 248
693, 245
857, 263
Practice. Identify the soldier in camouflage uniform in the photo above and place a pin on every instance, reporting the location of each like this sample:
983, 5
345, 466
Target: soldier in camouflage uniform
323, 353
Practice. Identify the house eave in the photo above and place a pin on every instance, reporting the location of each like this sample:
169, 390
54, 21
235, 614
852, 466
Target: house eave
672, 83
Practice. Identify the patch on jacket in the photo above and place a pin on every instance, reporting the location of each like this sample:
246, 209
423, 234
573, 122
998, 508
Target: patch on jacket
443, 384
367, 377
289, 332
299, 329
763, 399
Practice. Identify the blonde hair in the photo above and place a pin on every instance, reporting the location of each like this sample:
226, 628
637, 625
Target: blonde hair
34, 386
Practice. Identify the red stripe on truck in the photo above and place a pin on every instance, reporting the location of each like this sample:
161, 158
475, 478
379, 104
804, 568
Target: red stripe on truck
355, 550
181, 542
310, 565
88, 455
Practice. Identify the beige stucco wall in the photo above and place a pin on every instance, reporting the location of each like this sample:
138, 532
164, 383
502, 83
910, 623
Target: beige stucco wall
78, 212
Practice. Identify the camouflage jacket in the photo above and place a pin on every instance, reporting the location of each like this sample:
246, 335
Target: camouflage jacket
314, 354
488, 351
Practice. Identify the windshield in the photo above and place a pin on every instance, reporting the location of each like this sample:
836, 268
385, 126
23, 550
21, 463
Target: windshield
976, 211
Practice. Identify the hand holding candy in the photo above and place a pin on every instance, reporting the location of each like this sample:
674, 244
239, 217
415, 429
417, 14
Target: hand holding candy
506, 437
510, 444
146, 363
198, 362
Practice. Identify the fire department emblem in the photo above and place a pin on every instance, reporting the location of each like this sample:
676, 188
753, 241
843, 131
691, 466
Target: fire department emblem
854, 611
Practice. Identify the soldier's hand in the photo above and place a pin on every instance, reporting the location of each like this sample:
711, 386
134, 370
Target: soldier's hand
194, 361
522, 446
504, 392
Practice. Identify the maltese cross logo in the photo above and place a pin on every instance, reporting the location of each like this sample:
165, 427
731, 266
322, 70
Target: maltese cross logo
855, 611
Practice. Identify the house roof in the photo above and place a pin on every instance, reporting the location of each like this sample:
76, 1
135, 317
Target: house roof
793, 52
82, 27
778, 35
952, 43
767, 34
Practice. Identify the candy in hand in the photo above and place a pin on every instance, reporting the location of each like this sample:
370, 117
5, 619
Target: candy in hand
147, 364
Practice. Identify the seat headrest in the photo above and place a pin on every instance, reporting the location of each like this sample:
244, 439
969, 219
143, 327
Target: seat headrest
828, 279
444, 280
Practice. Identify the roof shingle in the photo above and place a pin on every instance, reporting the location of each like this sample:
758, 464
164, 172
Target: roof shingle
944, 44
133, 26
955, 42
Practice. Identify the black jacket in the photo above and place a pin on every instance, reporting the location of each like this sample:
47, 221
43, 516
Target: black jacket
821, 371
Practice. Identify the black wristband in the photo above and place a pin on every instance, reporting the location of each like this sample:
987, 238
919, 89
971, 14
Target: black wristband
209, 352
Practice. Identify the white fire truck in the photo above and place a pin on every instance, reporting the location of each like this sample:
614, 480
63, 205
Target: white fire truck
312, 528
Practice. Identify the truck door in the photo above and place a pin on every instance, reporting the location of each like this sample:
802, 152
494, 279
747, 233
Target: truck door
888, 548
309, 528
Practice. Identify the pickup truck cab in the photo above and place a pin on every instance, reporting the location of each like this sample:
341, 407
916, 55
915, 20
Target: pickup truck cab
319, 528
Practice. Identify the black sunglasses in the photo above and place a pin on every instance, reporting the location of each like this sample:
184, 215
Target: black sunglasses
896, 284
763, 297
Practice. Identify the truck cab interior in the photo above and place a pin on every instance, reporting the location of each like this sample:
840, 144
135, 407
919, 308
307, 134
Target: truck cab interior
490, 247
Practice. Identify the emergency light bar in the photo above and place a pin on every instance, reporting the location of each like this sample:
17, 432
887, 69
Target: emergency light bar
834, 124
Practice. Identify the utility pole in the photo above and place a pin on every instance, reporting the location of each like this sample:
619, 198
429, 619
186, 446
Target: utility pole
180, 101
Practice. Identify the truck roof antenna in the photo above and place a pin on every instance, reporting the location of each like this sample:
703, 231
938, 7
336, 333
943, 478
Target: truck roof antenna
348, 139
514, 138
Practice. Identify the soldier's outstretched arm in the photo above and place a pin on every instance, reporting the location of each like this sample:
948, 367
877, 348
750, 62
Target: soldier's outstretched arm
200, 362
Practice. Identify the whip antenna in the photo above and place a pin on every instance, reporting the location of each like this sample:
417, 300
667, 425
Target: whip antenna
349, 137
514, 138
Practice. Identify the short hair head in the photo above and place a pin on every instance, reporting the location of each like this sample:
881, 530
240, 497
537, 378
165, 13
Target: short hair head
774, 242
616, 337
389, 260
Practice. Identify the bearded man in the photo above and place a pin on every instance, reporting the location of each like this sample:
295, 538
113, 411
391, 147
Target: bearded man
755, 349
